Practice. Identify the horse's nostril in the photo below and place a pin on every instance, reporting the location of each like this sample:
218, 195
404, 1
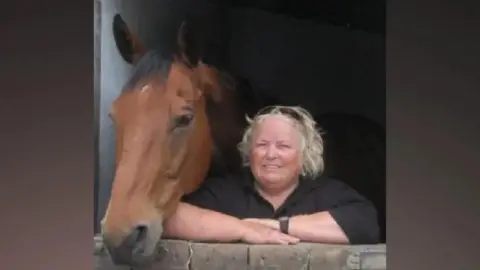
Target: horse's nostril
141, 231
138, 237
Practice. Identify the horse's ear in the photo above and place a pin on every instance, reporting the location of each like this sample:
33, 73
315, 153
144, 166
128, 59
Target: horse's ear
138, 48
213, 82
182, 44
128, 44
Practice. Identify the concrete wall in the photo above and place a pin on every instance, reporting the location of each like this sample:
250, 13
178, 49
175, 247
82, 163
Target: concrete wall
183, 255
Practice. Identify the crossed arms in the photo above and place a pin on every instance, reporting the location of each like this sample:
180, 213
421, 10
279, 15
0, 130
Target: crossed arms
198, 224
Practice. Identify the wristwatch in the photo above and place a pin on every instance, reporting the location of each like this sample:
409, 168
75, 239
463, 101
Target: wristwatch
284, 224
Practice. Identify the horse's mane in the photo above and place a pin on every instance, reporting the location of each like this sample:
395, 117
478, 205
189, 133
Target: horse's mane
152, 62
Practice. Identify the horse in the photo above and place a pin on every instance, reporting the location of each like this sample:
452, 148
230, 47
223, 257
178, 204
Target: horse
171, 119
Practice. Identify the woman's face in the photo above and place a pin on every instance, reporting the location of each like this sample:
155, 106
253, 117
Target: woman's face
275, 156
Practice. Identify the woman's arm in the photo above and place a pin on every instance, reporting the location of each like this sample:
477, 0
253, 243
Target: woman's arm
197, 224
199, 217
323, 227
349, 219
319, 227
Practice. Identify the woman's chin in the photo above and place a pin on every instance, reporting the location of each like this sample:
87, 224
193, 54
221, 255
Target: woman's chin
271, 175
272, 180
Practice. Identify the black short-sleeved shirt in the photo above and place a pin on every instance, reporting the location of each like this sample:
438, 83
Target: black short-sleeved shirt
235, 195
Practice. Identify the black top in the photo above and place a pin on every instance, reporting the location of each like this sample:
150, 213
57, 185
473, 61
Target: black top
234, 195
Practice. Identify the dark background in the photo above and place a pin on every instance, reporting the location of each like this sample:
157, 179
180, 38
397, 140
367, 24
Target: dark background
47, 135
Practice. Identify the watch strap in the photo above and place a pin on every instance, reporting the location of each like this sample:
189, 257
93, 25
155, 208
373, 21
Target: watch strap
284, 223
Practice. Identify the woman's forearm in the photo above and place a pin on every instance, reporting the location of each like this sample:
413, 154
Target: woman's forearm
197, 224
319, 227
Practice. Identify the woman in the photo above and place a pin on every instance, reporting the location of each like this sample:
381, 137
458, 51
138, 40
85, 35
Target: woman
280, 197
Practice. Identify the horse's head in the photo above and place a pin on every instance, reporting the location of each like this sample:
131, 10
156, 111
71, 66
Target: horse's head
163, 150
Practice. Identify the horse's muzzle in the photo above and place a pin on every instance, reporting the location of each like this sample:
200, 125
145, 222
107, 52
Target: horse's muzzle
137, 249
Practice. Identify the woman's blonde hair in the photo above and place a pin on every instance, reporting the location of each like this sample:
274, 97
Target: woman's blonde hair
311, 139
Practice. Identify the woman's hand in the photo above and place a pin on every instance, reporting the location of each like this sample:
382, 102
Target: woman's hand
257, 233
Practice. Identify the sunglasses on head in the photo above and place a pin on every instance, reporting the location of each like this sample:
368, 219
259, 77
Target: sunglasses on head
283, 110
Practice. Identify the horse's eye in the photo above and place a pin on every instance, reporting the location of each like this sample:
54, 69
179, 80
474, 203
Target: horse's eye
183, 120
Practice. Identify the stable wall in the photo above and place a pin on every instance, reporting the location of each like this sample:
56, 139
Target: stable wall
184, 255
322, 67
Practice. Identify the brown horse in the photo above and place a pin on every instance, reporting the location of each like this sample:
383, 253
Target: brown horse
167, 119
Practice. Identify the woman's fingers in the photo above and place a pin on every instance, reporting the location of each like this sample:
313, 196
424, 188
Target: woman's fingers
262, 234
284, 238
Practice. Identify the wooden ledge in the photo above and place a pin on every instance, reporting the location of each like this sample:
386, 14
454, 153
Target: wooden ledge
186, 255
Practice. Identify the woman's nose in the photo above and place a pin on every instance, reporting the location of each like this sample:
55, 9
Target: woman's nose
271, 152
